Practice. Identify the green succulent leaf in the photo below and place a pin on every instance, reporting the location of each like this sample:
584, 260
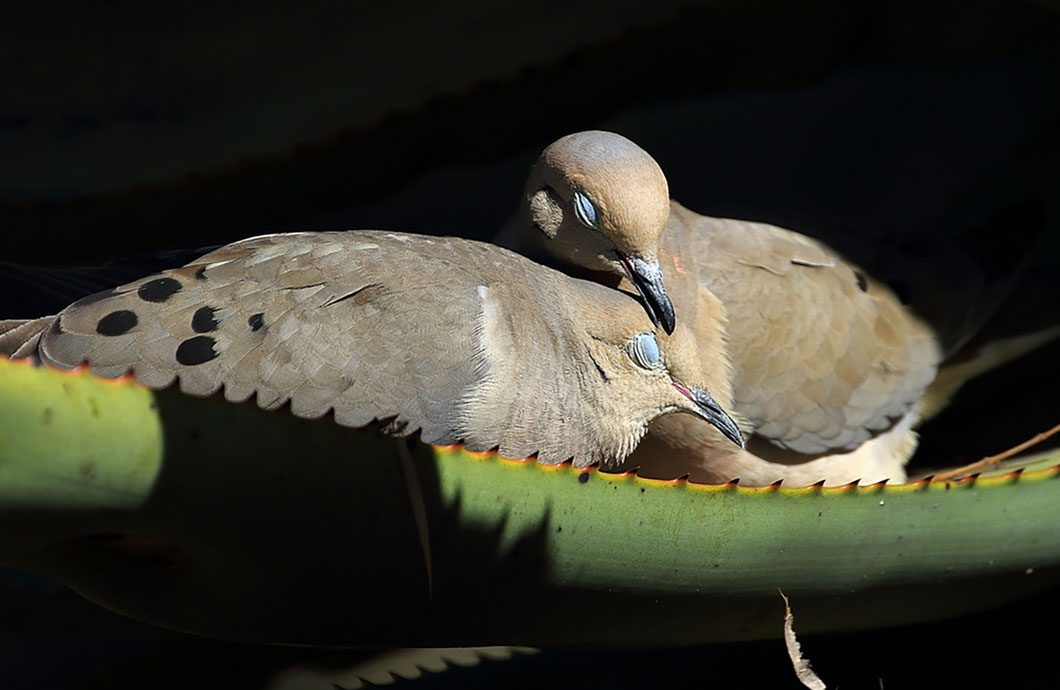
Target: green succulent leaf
225, 520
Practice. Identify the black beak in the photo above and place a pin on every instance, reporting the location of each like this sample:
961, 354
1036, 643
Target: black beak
647, 276
709, 409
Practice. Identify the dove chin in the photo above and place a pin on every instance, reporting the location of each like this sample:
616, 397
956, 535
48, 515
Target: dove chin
707, 408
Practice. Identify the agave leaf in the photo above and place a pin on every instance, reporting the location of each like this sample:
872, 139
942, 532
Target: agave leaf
228, 521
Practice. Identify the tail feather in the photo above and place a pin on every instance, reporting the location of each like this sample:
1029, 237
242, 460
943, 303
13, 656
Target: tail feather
19, 337
974, 364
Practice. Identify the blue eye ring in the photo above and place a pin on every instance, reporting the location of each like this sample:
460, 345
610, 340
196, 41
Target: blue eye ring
584, 210
644, 350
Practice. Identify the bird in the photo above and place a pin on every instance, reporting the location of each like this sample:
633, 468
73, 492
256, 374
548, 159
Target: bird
459, 340
598, 201
828, 365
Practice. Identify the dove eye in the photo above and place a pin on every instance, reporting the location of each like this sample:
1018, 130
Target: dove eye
644, 350
584, 210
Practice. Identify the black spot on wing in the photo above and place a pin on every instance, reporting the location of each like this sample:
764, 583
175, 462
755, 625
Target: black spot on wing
117, 323
863, 282
201, 273
203, 320
197, 350
159, 289
256, 321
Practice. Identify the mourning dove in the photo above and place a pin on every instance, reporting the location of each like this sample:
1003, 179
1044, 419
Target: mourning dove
463, 341
599, 201
824, 358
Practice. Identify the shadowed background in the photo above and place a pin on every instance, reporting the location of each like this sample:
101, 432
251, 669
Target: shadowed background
125, 131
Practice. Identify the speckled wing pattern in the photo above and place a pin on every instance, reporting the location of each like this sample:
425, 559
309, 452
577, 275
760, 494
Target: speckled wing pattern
372, 325
825, 357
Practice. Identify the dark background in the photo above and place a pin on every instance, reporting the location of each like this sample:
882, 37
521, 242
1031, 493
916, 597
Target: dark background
126, 130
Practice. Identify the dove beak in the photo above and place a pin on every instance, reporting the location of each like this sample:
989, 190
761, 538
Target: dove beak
709, 409
647, 276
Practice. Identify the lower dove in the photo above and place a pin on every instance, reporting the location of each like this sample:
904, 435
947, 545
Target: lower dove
459, 340
828, 365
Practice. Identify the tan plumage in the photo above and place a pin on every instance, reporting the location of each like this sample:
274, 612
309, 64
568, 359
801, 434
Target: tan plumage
673, 449
823, 357
460, 340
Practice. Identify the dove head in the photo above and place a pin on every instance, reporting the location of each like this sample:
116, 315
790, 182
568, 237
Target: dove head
650, 375
597, 200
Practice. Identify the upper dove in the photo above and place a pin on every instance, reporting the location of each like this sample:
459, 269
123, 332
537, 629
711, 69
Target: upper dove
823, 357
